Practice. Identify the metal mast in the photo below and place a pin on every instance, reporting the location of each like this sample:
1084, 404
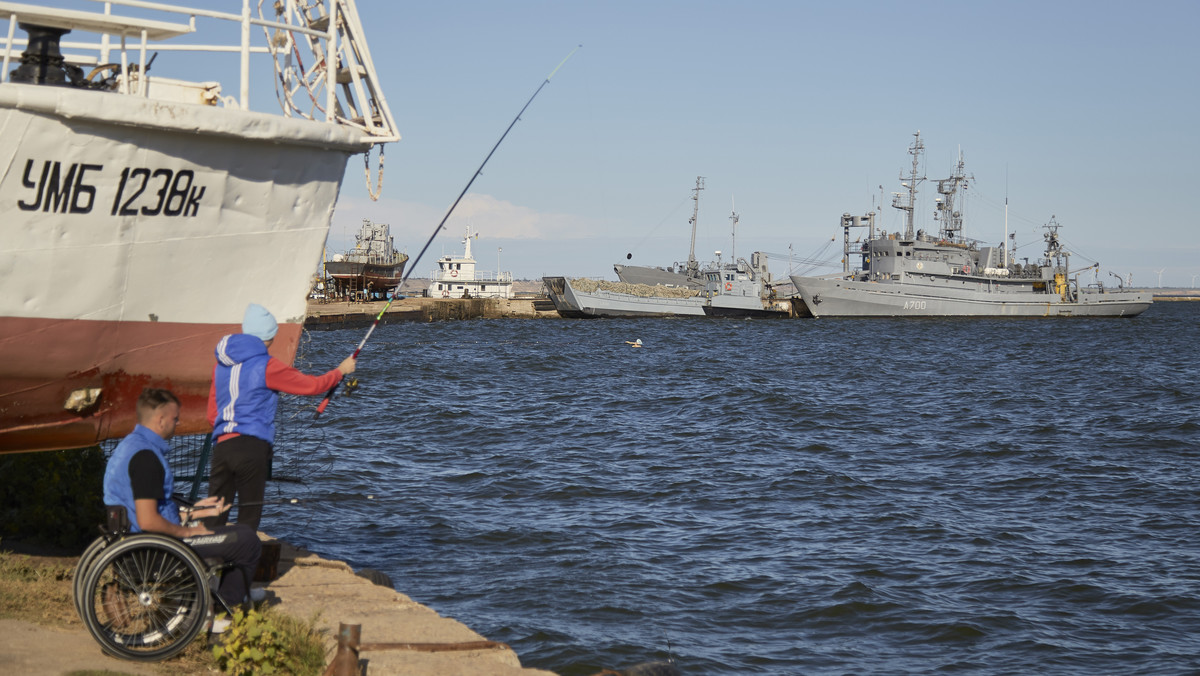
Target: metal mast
910, 207
692, 266
950, 216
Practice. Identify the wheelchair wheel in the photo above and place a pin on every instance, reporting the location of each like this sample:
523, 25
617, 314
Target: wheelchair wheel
145, 597
81, 570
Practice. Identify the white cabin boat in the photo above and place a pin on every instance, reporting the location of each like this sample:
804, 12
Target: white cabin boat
457, 276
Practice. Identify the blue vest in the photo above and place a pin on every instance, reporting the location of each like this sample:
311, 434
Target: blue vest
117, 488
244, 403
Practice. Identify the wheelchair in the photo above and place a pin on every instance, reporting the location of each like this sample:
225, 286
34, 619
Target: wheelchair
143, 596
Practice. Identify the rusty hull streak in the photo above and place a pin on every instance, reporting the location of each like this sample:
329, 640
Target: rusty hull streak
49, 359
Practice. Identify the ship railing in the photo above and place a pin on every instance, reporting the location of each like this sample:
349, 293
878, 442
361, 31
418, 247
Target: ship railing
479, 276
372, 259
300, 37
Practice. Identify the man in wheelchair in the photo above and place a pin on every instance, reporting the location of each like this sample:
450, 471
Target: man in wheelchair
139, 479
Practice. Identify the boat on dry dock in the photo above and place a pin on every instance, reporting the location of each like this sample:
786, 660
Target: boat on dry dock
141, 213
372, 269
949, 275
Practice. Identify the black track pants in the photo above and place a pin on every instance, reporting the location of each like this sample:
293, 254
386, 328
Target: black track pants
234, 544
239, 468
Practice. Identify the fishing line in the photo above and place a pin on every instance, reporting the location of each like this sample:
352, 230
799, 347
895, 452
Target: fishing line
309, 515
298, 439
655, 228
413, 265
307, 501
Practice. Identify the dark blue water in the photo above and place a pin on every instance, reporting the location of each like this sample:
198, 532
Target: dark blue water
776, 497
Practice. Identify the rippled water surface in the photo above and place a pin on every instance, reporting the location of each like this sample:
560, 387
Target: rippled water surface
775, 497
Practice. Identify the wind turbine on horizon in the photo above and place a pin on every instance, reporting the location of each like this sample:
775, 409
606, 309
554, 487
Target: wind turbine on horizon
1160, 276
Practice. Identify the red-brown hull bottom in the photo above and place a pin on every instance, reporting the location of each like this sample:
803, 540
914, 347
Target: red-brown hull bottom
48, 359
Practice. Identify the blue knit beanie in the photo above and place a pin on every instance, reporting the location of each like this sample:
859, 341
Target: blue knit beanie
259, 322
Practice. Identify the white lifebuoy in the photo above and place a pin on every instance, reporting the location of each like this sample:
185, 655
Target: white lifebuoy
454, 273
445, 294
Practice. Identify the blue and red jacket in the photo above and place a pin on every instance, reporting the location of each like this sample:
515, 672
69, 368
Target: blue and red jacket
246, 383
245, 405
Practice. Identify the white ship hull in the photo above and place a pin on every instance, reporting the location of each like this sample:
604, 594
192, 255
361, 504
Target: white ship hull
135, 233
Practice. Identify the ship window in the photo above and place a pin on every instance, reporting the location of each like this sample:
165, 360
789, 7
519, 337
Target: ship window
440, 287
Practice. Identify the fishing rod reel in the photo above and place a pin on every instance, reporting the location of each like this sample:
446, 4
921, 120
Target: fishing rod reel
350, 385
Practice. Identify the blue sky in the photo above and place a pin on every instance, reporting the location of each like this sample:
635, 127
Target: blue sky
798, 111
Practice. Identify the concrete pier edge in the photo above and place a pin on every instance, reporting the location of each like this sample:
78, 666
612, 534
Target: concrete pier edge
308, 586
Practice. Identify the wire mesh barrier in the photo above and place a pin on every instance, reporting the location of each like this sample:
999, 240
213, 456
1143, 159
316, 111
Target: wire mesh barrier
297, 440
188, 457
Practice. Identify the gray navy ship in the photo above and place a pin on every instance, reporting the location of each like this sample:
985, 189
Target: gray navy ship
949, 275
736, 288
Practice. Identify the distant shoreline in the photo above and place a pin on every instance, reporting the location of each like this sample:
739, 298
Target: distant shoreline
1175, 294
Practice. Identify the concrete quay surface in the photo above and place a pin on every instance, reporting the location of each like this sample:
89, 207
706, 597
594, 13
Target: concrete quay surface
308, 585
344, 314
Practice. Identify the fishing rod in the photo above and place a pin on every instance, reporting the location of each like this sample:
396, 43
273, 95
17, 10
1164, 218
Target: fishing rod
413, 266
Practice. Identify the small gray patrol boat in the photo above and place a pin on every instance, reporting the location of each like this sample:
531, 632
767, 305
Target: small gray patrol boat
917, 274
